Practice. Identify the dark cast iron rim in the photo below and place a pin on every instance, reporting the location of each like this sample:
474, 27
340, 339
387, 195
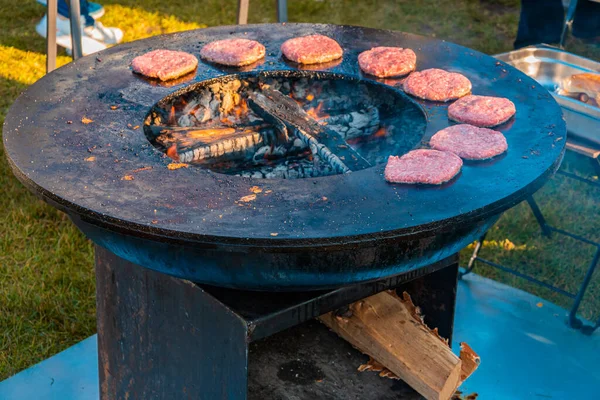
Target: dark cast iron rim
47, 146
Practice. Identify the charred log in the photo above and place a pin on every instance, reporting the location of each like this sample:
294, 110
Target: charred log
192, 145
324, 142
230, 146
292, 114
265, 107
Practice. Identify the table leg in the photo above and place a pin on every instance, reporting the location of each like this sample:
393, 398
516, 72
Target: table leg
51, 35
242, 16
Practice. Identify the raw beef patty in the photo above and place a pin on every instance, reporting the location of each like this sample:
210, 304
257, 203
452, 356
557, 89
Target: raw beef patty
483, 111
437, 85
233, 52
423, 166
469, 142
164, 64
386, 62
311, 49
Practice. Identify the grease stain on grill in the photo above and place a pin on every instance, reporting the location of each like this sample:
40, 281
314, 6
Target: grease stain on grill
300, 372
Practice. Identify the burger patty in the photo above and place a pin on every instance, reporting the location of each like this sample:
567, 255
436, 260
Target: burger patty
386, 62
311, 49
482, 111
437, 85
423, 166
469, 142
164, 64
233, 52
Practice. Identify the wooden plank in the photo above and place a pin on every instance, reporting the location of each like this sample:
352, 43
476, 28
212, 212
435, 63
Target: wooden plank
583, 149
392, 332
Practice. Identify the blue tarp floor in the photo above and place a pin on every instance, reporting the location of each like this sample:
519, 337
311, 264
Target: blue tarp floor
526, 348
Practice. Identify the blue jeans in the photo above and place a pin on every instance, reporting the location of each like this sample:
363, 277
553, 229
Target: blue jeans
63, 10
541, 21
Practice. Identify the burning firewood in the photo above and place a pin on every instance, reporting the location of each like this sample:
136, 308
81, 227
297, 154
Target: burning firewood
321, 139
261, 105
193, 144
306, 130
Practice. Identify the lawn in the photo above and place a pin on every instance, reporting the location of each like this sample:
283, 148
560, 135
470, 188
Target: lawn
46, 265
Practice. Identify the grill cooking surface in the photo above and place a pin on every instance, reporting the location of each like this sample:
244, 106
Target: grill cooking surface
107, 172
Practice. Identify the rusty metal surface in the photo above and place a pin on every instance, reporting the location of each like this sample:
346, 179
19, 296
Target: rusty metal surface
307, 232
166, 338
435, 294
268, 313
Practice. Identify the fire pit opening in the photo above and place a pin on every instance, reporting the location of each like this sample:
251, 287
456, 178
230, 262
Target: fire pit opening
285, 124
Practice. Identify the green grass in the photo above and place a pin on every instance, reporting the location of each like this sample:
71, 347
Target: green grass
46, 266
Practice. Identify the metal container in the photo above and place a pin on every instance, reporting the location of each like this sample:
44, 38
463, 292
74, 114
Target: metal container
549, 66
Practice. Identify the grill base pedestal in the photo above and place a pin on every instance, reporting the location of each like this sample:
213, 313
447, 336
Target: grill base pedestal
164, 337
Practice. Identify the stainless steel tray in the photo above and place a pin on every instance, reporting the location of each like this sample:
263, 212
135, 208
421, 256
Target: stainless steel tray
549, 66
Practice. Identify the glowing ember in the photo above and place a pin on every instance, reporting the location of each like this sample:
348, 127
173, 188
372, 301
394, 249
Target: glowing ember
203, 133
381, 132
172, 152
317, 112
241, 109
310, 97
172, 120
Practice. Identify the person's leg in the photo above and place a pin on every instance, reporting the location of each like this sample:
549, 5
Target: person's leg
63, 10
541, 21
586, 22
95, 36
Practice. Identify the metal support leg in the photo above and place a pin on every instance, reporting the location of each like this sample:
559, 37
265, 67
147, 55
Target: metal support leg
435, 294
242, 16
539, 216
51, 35
471, 264
75, 18
282, 10
573, 321
161, 337
568, 22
